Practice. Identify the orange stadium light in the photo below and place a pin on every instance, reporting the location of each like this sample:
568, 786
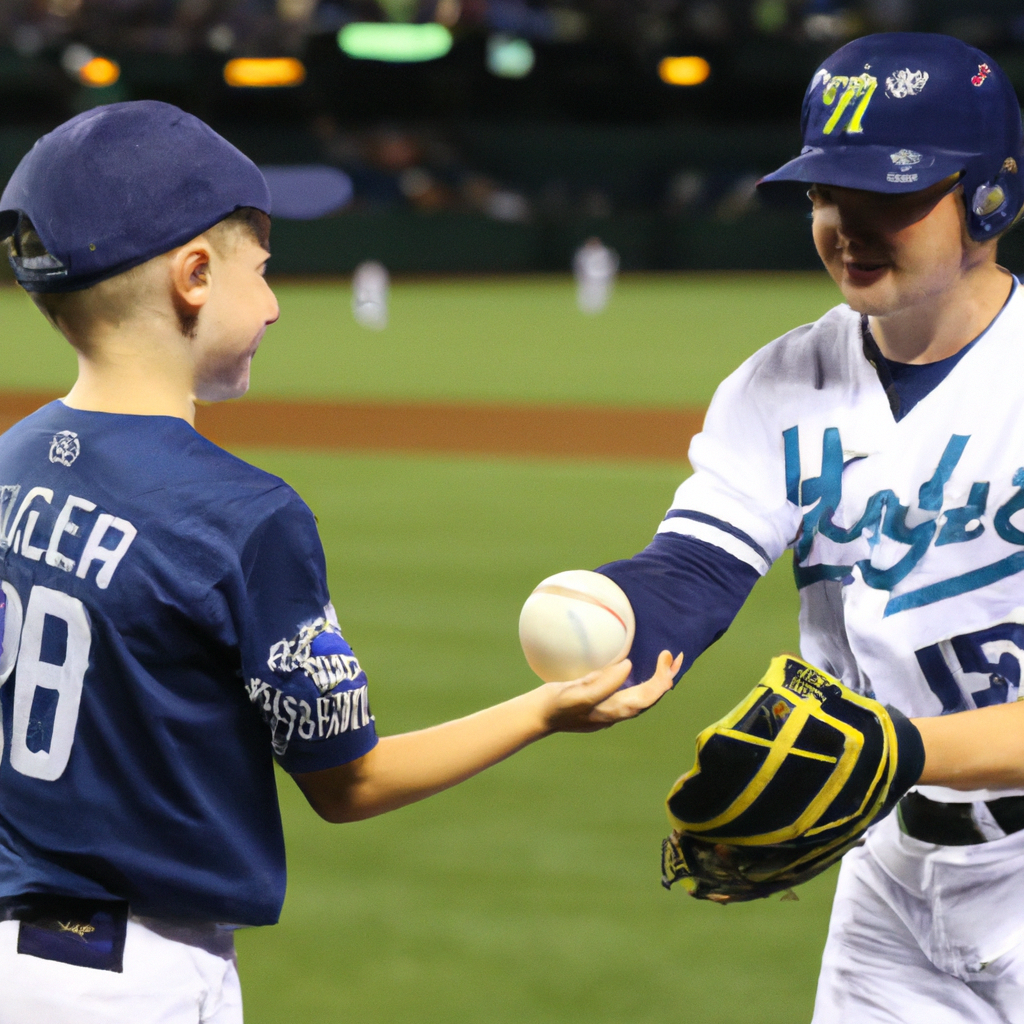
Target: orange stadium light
684, 70
99, 73
264, 72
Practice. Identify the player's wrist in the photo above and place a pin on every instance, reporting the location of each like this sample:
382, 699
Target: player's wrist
544, 706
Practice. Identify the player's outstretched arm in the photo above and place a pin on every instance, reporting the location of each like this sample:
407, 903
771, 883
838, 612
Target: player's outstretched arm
409, 767
982, 749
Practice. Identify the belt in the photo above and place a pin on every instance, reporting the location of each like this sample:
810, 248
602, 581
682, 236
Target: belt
84, 933
960, 824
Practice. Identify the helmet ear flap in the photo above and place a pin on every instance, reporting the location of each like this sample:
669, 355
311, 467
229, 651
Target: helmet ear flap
995, 205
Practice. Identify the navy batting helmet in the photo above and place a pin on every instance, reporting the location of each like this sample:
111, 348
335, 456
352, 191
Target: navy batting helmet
900, 111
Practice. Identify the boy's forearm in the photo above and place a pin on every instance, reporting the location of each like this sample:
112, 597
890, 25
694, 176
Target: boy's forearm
403, 769
411, 766
982, 749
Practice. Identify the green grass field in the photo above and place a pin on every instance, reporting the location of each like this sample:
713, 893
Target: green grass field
530, 893
664, 340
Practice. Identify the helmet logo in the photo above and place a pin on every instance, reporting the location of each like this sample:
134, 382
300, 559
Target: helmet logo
905, 83
983, 72
861, 87
904, 159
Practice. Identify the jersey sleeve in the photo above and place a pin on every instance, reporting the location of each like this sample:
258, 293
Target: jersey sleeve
299, 670
684, 594
728, 522
737, 497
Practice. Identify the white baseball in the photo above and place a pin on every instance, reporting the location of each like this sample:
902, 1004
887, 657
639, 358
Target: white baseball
573, 623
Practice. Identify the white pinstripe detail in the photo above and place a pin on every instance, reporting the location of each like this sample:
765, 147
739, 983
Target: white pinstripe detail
721, 539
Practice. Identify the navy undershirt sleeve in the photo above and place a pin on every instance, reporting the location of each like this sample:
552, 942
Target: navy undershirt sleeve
685, 594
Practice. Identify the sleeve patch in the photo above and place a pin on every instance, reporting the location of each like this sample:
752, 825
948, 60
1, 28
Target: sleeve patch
321, 652
343, 712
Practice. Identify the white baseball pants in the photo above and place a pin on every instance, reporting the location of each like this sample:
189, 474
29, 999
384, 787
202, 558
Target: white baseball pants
164, 981
924, 934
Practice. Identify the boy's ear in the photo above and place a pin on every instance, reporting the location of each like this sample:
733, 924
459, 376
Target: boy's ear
190, 275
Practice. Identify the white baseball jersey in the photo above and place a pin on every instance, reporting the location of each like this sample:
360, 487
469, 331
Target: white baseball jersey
908, 536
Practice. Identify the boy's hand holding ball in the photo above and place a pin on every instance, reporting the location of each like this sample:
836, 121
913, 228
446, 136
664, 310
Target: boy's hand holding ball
576, 628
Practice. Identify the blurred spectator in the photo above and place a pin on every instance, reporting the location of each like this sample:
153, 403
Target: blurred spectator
684, 189
281, 27
740, 199
759, 51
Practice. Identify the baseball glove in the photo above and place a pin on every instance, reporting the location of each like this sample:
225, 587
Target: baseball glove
785, 784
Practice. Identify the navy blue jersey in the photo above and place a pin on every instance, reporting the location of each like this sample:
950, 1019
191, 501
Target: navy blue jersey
167, 632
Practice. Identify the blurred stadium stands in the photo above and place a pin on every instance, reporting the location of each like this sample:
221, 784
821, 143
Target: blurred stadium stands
456, 164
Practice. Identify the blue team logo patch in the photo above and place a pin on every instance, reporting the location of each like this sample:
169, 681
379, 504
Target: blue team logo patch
326, 644
319, 651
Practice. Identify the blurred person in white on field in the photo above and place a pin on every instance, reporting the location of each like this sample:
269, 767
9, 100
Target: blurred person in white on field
595, 267
370, 295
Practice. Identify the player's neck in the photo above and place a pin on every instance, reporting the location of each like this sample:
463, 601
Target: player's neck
940, 325
121, 374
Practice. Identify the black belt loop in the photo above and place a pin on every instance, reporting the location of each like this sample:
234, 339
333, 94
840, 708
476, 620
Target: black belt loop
953, 824
83, 933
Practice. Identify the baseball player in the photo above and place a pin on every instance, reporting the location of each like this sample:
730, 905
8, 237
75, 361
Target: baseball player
166, 627
884, 445
594, 266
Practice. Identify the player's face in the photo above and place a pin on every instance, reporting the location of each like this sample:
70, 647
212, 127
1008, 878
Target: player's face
889, 253
240, 308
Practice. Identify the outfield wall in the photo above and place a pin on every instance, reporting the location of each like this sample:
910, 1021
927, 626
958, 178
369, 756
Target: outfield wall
463, 243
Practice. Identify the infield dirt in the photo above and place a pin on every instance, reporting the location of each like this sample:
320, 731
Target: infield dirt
476, 429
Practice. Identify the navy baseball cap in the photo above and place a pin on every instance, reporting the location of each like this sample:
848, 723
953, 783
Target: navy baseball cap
897, 112
120, 184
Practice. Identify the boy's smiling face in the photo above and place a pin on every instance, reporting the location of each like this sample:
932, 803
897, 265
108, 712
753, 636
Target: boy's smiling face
233, 320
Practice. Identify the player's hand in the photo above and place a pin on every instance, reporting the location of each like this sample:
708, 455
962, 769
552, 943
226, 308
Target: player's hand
597, 701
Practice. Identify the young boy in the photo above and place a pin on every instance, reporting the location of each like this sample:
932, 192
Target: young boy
167, 629
884, 444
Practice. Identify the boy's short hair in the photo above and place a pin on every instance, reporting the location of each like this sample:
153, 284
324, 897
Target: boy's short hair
114, 299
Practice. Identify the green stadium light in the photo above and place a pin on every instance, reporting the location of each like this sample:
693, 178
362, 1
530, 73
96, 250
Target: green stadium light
399, 43
508, 57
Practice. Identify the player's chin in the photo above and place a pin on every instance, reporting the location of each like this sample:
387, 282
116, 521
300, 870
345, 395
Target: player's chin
867, 291
222, 387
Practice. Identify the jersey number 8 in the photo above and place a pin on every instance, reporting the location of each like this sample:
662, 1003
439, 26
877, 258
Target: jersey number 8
49, 646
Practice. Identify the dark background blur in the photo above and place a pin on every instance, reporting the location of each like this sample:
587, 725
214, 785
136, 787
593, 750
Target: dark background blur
545, 123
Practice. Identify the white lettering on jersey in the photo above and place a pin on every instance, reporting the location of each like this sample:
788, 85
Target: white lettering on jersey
37, 492
336, 713
20, 541
110, 557
8, 497
64, 525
